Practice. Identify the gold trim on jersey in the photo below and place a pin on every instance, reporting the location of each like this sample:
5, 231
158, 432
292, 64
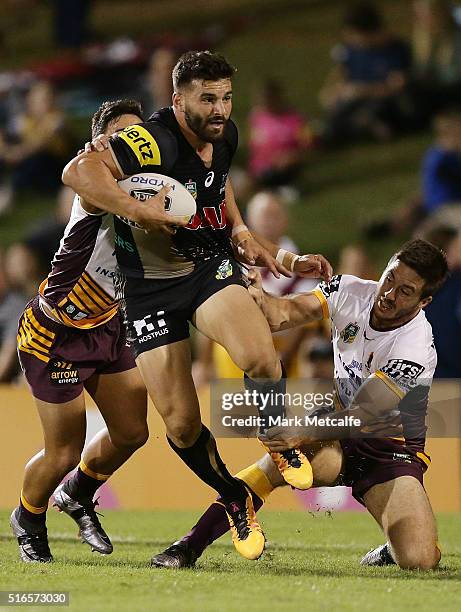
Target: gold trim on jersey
322, 299
98, 291
424, 458
390, 383
33, 338
89, 298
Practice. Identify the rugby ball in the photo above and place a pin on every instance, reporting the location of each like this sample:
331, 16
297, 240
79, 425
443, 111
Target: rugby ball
179, 202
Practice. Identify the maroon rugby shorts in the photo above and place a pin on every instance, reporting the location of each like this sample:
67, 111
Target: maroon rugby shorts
371, 461
58, 360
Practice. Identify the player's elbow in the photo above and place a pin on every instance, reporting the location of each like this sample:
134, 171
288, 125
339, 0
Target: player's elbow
79, 172
70, 174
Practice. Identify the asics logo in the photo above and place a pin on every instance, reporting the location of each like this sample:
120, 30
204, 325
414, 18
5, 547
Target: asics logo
209, 179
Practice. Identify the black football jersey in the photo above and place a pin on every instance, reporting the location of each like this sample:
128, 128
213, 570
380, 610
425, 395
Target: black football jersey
159, 146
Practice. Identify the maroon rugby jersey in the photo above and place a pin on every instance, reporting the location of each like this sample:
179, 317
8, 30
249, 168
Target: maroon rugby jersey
79, 289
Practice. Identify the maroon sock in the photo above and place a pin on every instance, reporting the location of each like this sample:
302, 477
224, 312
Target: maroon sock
212, 525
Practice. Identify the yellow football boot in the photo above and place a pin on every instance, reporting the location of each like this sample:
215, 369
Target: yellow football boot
294, 467
247, 535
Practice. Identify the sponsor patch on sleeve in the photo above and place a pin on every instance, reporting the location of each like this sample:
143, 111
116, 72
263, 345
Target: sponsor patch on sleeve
143, 145
403, 372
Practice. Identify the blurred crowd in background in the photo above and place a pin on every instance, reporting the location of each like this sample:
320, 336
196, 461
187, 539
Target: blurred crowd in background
381, 87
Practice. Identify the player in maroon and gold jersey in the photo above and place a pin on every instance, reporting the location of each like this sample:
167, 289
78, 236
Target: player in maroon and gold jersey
70, 338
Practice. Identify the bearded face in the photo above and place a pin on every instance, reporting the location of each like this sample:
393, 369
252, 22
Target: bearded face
207, 106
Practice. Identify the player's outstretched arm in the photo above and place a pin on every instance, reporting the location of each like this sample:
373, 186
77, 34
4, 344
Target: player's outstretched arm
93, 175
307, 266
285, 312
247, 249
253, 249
375, 401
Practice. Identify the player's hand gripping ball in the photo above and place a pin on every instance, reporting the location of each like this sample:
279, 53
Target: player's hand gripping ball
179, 203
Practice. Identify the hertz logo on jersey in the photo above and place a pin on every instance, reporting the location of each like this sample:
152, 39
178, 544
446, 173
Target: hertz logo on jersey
143, 145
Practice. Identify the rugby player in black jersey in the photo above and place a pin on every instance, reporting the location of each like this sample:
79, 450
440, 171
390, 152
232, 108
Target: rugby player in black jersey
171, 279
71, 336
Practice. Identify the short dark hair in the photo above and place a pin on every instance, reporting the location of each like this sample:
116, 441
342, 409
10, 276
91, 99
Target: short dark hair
204, 65
428, 261
111, 110
363, 17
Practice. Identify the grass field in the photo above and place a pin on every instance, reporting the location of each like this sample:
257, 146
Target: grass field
311, 564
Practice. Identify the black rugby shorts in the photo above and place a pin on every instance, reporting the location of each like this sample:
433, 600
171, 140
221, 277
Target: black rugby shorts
158, 311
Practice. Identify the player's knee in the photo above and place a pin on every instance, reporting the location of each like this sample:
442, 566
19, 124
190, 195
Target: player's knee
132, 438
183, 433
64, 459
325, 476
326, 466
418, 558
262, 365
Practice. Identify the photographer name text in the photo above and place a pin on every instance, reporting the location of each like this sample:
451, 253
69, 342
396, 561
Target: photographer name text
295, 421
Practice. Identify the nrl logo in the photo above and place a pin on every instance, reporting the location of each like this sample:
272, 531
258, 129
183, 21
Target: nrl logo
142, 195
191, 187
349, 333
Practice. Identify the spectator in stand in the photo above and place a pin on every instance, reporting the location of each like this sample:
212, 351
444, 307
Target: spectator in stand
441, 169
279, 137
39, 146
366, 93
70, 21
18, 283
354, 260
444, 312
22, 271
43, 237
436, 55
320, 360
440, 196
156, 82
